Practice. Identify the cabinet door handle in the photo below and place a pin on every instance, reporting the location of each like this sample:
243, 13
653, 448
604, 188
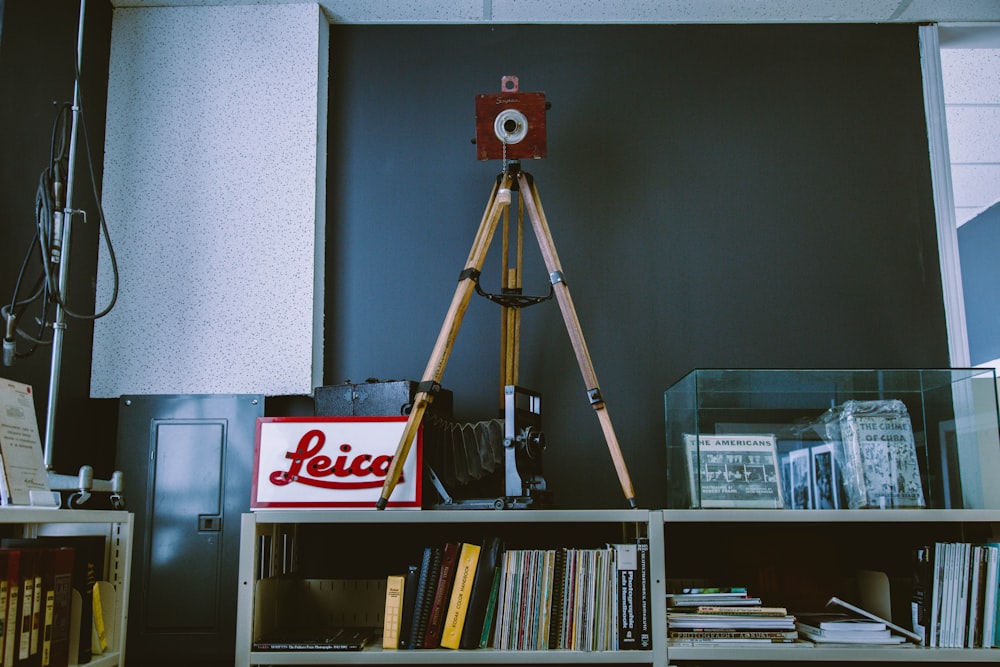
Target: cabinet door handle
209, 523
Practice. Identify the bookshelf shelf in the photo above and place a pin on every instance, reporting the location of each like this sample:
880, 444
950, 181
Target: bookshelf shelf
116, 529
901, 461
797, 558
290, 538
916, 516
680, 654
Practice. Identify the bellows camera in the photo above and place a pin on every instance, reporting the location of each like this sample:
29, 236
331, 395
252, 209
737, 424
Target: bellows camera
510, 125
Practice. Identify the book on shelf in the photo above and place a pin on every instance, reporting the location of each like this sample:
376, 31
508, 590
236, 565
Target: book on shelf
837, 603
920, 591
410, 582
991, 609
442, 593
956, 593
730, 599
627, 579
430, 568
479, 597
491, 608
394, 591
29, 612
458, 605
559, 593
645, 602
88, 570
562, 598
751, 610
679, 620
880, 457
318, 639
845, 637
720, 636
99, 637
839, 622
10, 625
35, 603
733, 470
842, 628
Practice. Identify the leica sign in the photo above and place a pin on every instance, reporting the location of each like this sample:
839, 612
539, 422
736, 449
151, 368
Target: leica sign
331, 462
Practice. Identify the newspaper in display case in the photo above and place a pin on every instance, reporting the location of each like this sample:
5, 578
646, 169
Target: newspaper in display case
735, 470
878, 454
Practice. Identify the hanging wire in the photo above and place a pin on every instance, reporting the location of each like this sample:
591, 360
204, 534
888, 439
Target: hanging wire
46, 243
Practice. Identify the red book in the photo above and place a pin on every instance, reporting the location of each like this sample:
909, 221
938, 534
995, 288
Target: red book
435, 622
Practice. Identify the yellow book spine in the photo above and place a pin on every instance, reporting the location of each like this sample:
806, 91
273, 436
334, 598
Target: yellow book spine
99, 642
50, 606
393, 610
465, 573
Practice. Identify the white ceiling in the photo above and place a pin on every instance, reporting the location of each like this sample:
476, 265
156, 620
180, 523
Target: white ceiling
970, 55
970, 69
631, 11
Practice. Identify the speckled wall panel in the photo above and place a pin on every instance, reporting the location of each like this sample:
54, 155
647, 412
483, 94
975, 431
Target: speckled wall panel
214, 191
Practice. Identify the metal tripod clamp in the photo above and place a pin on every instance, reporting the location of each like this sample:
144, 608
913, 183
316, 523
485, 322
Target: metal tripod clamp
84, 485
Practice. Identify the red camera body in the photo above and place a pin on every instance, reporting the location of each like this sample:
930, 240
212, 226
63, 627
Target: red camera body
513, 119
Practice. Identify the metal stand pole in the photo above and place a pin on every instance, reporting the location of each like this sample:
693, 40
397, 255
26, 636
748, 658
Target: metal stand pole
84, 483
65, 221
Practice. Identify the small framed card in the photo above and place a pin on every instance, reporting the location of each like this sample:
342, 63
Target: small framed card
23, 477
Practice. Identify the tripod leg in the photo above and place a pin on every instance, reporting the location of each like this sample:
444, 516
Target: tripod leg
538, 222
499, 200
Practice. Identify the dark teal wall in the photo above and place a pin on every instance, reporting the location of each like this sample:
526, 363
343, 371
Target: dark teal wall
720, 196
37, 55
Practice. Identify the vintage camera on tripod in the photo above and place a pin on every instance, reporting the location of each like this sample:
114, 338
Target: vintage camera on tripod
510, 125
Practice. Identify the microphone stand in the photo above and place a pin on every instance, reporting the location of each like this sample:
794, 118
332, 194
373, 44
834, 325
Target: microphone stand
84, 483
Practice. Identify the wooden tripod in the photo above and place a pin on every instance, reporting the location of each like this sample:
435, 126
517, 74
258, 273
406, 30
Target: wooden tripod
499, 202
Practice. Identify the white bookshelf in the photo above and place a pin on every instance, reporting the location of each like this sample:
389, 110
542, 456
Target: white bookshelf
116, 528
412, 528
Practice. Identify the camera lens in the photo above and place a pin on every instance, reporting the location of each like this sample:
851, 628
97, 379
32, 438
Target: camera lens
510, 126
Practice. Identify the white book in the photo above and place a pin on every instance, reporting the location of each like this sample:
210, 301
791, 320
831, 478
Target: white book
937, 580
909, 634
964, 551
973, 623
990, 603
948, 597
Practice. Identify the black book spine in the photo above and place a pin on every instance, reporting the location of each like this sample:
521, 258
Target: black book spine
409, 603
644, 607
921, 594
558, 598
475, 619
430, 566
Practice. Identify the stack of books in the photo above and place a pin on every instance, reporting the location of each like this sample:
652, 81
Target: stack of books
844, 624
835, 628
724, 616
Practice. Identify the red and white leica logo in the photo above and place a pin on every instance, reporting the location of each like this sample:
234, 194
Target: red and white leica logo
335, 462
368, 471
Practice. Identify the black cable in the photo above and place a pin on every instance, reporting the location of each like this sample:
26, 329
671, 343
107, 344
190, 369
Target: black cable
100, 213
47, 242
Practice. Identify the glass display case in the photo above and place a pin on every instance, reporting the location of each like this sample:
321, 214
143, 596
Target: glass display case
833, 439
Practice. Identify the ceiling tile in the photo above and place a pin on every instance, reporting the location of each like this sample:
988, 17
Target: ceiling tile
971, 76
974, 133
